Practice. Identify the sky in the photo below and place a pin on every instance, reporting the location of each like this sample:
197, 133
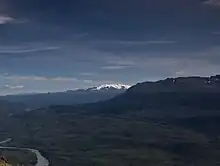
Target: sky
57, 45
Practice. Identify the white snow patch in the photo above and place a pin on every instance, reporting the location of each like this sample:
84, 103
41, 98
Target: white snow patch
108, 86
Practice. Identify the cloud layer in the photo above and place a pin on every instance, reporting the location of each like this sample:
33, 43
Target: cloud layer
31, 50
38, 78
13, 87
5, 19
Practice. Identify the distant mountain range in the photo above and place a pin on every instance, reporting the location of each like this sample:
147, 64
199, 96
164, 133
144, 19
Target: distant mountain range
182, 96
70, 97
160, 98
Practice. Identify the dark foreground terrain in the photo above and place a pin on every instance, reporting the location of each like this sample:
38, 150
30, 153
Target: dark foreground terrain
19, 157
172, 126
75, 139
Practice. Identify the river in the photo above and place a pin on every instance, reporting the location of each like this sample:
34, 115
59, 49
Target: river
41, 160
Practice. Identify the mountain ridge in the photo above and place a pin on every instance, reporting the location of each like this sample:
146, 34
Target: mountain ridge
182, 96
70, 97
179, 84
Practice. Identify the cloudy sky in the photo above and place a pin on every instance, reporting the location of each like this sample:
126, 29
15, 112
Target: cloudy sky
55, 45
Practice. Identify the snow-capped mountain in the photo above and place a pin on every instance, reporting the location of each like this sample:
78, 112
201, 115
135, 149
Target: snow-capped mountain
110, 87
70, 97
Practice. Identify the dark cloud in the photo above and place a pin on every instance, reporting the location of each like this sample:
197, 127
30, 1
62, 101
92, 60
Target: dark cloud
109, 15
214, 3
121, 19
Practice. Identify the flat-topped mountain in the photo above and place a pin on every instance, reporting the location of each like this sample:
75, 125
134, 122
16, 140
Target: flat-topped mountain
180, 84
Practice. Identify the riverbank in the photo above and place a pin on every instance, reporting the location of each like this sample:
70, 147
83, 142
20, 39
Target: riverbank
41, 160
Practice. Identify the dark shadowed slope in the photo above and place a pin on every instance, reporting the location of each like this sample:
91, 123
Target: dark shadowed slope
185, 96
